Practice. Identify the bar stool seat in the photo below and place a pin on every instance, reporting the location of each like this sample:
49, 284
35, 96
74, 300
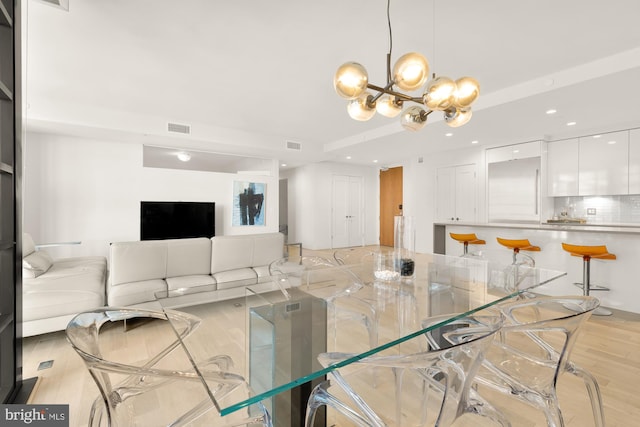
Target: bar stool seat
467, 239
517, 245
587, 253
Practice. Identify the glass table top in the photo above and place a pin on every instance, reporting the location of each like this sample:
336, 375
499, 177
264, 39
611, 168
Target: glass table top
274, 330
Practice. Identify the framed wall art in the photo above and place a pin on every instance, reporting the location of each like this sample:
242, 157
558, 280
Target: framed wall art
249, 203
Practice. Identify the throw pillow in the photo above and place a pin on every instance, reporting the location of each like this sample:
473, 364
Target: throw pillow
35, 264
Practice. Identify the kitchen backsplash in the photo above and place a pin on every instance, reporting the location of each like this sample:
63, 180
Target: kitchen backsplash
601, 209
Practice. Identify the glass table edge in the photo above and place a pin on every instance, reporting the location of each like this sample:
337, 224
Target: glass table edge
226, 410
317, 374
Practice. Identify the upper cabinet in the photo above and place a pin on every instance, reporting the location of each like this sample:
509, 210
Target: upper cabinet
513, 152
604, 164
456, 191
562, 168
634, 161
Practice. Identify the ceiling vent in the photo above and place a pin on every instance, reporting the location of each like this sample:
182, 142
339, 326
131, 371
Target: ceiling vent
178, 128
291, 145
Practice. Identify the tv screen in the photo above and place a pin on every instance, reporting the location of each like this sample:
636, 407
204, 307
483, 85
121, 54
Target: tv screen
176, 220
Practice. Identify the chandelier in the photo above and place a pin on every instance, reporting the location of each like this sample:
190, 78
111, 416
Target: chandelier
410, 72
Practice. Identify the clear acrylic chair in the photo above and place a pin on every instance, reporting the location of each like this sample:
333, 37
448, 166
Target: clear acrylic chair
152, 382
401, 396
534, 349
345, 304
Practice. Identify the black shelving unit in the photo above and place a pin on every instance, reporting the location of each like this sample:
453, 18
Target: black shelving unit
11, 384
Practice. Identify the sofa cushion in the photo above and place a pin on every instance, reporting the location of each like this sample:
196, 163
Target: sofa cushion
267, 248
28, 247
36, 263
137, 261
186, 257
70, 286
231, 253
181, 282
241, 277
52, 302
135, 293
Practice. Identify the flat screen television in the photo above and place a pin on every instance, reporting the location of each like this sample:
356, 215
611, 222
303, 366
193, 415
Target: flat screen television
177, 220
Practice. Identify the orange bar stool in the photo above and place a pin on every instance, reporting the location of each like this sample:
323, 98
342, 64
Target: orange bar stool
517, 245
466, 240
586, 253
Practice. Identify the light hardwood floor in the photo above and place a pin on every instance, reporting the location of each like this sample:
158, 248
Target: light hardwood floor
609, 347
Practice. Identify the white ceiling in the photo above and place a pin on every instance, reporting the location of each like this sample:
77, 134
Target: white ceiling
247, 76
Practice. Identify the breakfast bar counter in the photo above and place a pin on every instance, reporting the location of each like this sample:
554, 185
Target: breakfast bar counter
621, 275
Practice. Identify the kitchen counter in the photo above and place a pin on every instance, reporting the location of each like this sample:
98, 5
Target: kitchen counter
620, 275
606, 228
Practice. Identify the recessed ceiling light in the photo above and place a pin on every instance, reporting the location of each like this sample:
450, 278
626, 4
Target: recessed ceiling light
611, 142
185, 157
597, 136
571, 123
551, 111
375, 161
283, 165
448, 134
474, 142
348, 157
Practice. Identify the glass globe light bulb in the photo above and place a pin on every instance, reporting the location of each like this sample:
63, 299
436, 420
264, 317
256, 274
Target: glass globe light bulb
410, 71
468, 90
439, 93
350, 80
413, 118
388, 106
456, 117
360, 108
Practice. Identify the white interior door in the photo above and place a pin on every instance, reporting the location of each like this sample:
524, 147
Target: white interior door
466, 199
347, 211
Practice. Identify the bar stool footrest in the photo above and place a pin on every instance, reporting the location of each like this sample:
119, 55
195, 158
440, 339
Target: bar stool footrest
591, 287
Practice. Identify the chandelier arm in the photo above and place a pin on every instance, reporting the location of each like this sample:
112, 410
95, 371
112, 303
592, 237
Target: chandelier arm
387, 89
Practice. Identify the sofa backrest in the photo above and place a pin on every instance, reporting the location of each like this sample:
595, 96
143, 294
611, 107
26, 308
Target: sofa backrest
188, 257
137, 261
252, 250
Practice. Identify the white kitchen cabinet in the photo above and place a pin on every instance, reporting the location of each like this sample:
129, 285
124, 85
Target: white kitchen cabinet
634, 161
513, 152
563, 168
604, 164
456, 193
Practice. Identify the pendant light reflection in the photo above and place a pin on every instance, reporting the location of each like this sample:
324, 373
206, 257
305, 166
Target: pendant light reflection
411, 71
413, 118
456, 117
351, 80
388, 106
360, 108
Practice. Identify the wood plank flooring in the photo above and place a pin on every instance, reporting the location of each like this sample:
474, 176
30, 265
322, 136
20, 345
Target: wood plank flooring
609, 347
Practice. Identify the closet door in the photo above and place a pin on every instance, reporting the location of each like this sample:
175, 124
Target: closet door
347, 221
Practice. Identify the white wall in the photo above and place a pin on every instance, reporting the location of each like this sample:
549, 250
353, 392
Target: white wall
78, 189
310, 200
420, 189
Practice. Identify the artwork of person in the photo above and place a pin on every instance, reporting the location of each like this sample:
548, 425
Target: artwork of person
250, 205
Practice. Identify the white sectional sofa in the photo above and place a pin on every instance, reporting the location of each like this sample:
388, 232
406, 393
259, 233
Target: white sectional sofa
56, 290
140, 269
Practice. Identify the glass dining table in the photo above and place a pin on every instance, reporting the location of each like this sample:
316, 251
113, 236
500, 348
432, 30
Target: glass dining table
275, 330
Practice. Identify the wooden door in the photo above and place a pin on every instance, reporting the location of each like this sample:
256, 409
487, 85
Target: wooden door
390, 202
